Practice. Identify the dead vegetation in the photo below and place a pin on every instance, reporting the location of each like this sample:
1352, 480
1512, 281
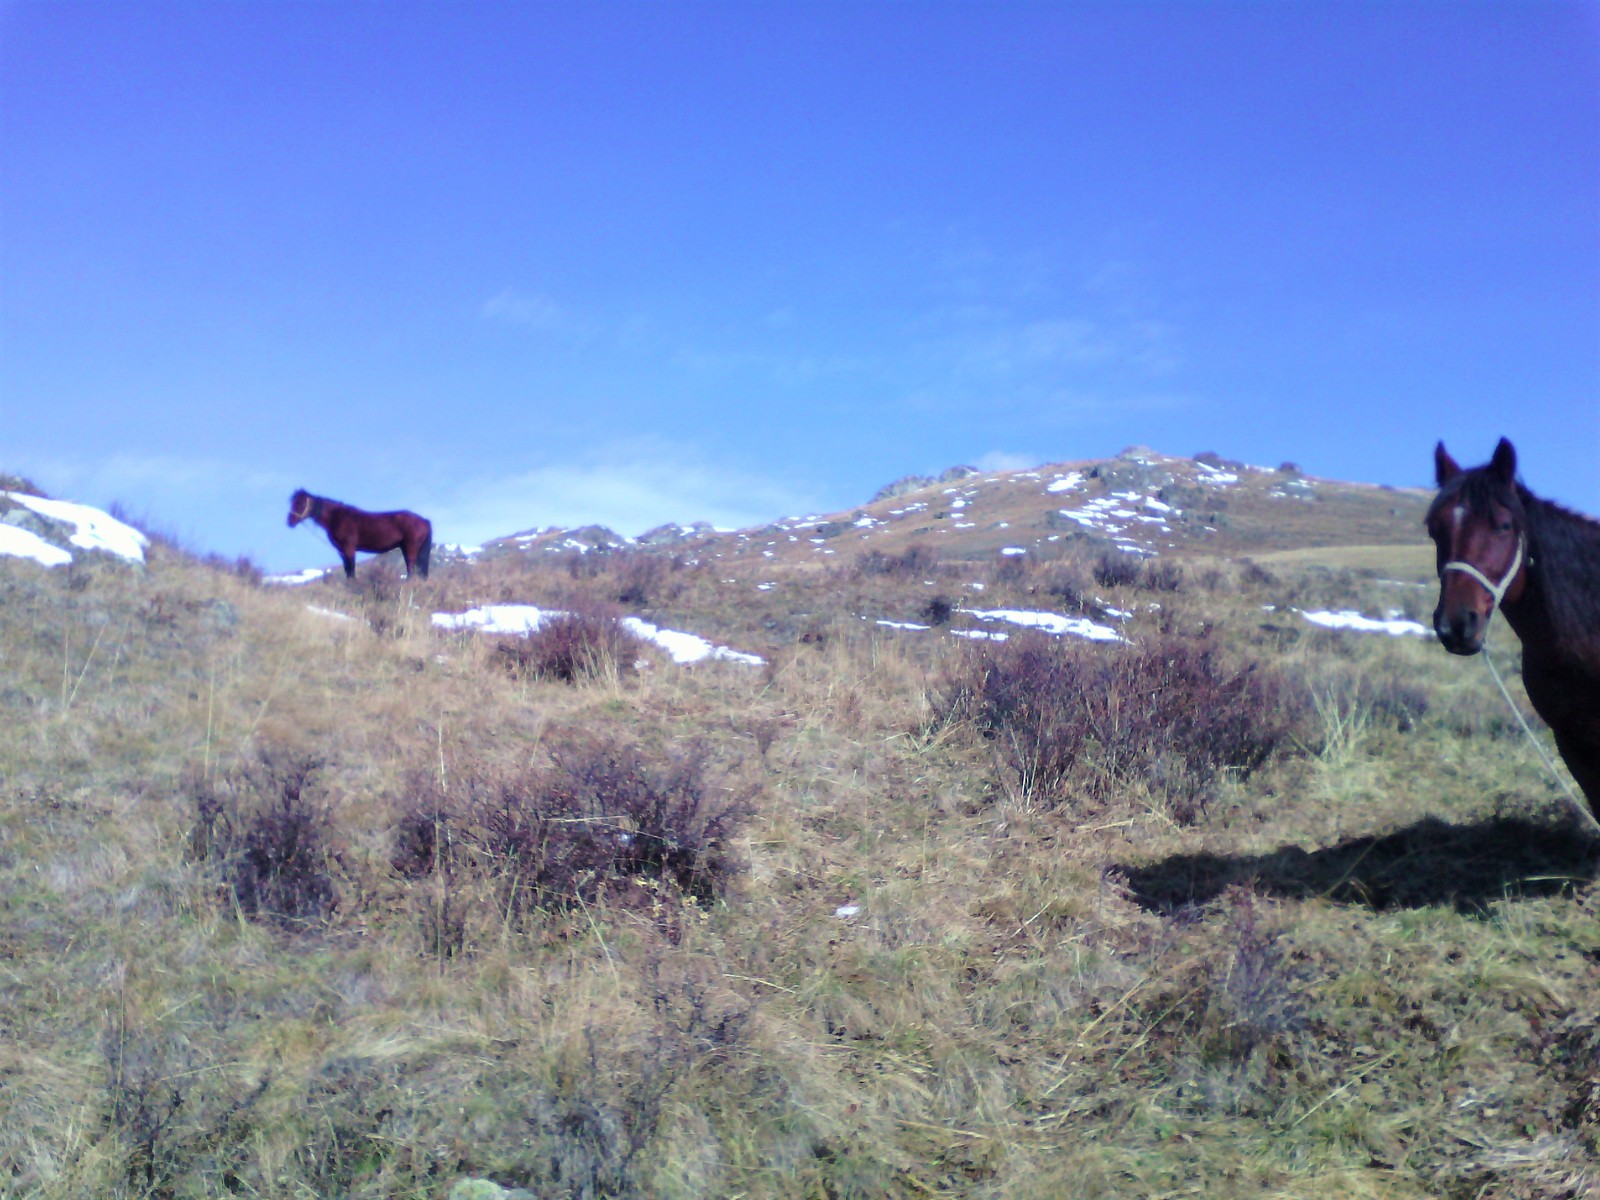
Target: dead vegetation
302, 896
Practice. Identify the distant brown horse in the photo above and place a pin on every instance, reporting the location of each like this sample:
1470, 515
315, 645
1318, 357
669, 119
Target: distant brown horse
351, 529
1500, 546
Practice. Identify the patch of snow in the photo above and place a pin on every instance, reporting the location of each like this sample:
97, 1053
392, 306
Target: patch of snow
22, 543
1048, 622
1348, 619
845, 911
495, 618
1013, 550
1066, 483
904, 625
527, 618
687, 647
93, 529
1215, 476
328, 612
308, 575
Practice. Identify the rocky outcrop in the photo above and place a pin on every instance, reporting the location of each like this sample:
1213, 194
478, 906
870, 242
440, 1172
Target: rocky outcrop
915, 483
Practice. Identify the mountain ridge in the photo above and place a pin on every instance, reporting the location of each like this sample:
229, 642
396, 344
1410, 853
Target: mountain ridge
1140, 502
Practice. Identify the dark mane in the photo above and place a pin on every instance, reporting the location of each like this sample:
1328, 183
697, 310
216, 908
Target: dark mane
1479, 489
1566, 546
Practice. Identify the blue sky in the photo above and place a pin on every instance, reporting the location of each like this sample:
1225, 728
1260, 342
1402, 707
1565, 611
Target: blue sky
514, 264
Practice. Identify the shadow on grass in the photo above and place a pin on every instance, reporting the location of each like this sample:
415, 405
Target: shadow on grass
1429, 863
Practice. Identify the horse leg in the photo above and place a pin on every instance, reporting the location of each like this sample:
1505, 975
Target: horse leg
349, 558
1582, 758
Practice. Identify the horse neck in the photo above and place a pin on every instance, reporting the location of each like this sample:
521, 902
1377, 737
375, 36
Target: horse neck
322, 509
1562, 599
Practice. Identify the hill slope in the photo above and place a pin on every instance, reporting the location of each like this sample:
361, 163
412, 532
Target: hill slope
304, 893
1141, 502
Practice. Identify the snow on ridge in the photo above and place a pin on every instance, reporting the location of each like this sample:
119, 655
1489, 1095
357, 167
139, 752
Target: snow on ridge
92, 530
1115, 513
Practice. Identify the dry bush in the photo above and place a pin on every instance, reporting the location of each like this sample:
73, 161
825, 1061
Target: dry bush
271, 845
918, 560
642, 580
569, 646
171, 1118
1010, 570
1075, 720
600, 817
1117, 569
1069, 584
1162, 575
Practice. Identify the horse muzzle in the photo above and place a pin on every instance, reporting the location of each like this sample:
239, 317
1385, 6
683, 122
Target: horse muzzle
1461, 630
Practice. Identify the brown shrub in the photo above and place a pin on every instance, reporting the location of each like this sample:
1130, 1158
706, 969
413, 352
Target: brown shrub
270, 844
569, 646
1117, 569
602, 814
1068, 583
642, 579
918, 560
1069, 719
1161, 575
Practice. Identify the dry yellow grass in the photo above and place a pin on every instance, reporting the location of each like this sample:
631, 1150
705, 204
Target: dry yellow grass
1369, 969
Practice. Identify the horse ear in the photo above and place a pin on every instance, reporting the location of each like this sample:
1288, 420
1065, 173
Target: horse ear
1504, 462
1445, 468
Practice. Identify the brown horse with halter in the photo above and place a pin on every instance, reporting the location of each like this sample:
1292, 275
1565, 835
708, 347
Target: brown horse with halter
1500, 546
351, 529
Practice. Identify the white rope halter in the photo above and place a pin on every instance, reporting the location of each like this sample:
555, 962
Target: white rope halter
1497, 591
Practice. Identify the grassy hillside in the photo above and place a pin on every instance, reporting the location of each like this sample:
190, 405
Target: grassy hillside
301, 896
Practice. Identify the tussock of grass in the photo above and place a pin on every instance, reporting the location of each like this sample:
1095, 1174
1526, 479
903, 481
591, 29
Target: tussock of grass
291, 905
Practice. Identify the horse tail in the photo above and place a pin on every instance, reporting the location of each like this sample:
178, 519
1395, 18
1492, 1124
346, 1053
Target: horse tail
425, 550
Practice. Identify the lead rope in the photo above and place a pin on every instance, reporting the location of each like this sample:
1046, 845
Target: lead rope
1498, 591
1582, 808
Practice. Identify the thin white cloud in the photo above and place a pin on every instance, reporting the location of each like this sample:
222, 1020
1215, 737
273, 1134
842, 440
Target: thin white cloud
157, 484
1001, 460
536, 311
209, 504
630, 492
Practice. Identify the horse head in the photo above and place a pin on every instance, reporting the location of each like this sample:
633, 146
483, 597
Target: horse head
1479, 532
300, 505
